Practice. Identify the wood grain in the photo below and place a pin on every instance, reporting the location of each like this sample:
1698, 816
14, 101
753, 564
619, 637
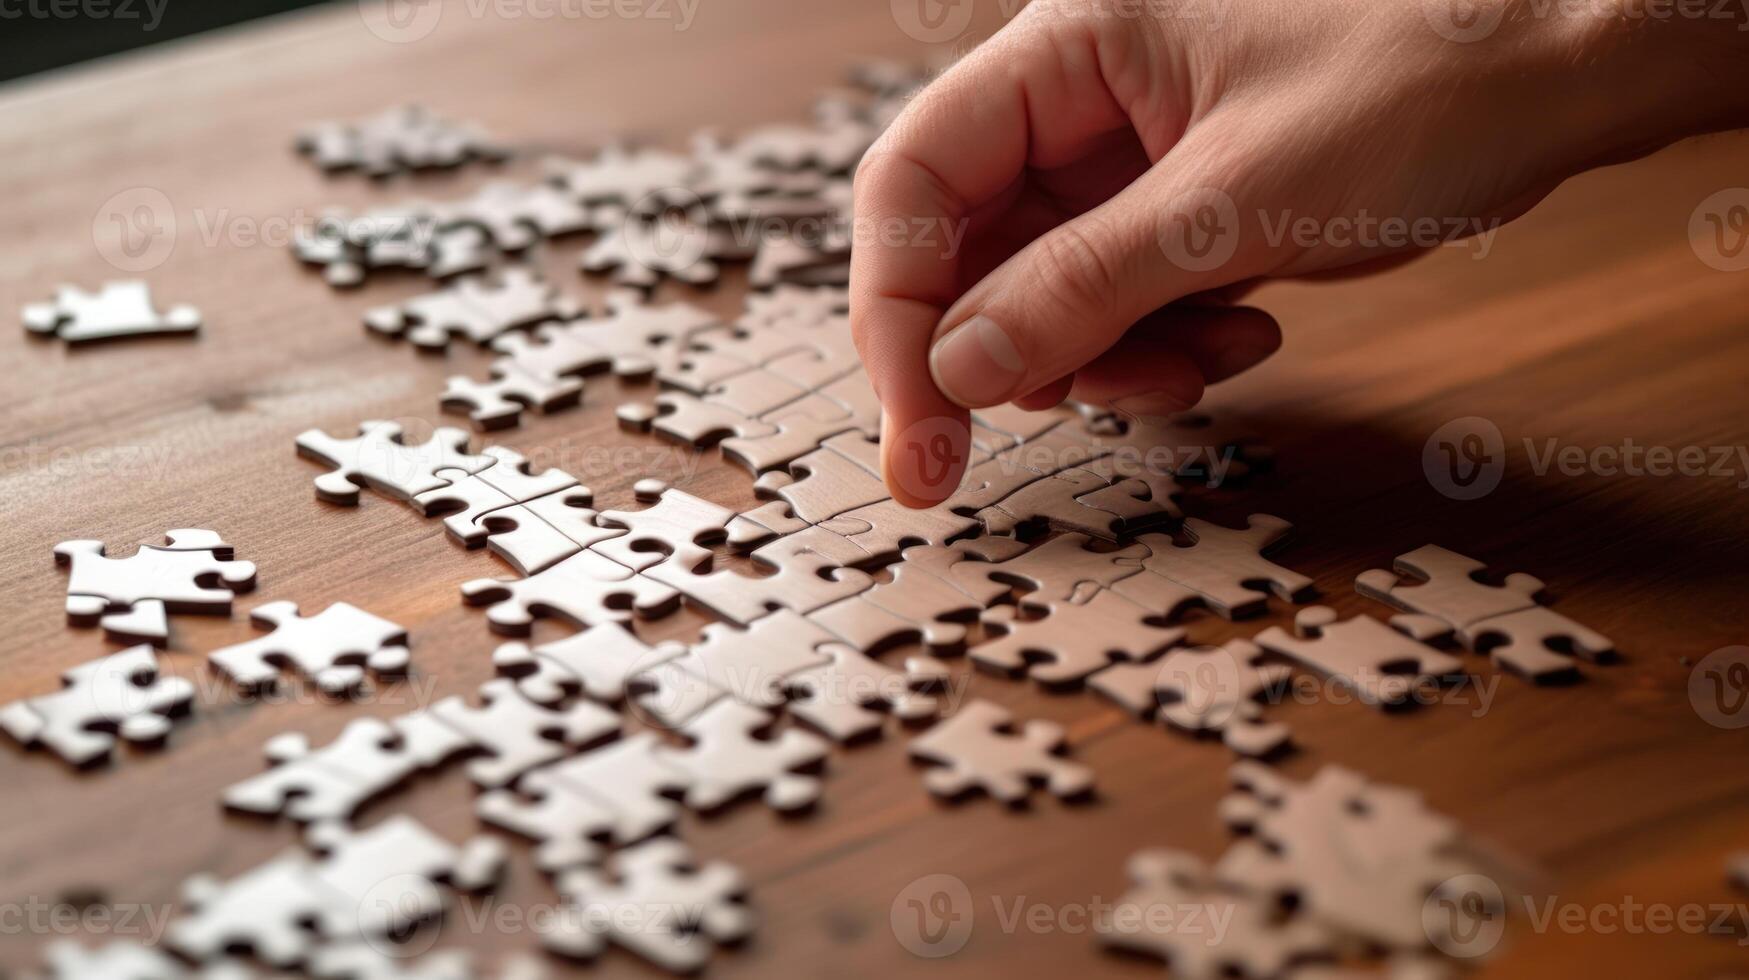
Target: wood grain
1590, 322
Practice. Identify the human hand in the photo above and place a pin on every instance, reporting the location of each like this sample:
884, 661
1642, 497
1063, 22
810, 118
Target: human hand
1120, 177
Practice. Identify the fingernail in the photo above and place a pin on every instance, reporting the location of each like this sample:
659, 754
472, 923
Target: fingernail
1174, 395
976, 365
923, 463
1232, 360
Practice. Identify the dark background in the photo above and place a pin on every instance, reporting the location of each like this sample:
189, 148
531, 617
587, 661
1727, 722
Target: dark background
37, 35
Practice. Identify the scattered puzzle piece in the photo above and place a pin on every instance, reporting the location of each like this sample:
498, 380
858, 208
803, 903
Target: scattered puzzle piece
1383, 665
132, 596
118, 695
378, 458
981, 748
334, 647
656, 902
1225, 567
1073, 639
479, 310
733, 752
120, 310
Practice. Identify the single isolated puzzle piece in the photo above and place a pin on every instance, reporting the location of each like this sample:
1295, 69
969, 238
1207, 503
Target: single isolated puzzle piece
1385, 666
1359, 858
1503, 620
334, 647
397, 140
1072, 640
118, 695
1225, 567
656, 902
1203, 690
120, 310
585, 589
377, 458
1175, 911
735, 750
193, 572
980, 747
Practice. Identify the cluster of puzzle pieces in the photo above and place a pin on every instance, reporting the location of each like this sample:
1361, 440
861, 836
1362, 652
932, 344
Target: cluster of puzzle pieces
1064, 559
1324, 870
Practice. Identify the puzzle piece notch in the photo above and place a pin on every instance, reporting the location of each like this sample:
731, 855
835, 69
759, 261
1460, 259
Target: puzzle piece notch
378, 458
120, 695
334, 647
1225, 566
499, 401
750, 665
654, 901
599, 662
980, 747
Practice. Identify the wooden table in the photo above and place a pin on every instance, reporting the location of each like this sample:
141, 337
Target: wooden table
1589, 323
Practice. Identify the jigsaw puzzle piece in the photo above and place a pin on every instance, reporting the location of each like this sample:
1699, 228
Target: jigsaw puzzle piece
1257, 940
734, 750
1054, 571
848, 698
120, 310
332, 647
477, 309
801, 580
661, 905
630, 778
378, 458
980, 747
118, 695
750, 665
568, 823
1201, 690
517, 734
1225, 567
677, 529
1361, 859
1383, 665
498, 403
385, 878
369, 757
585, 589
194, 571
598, 662
1073, 639
266, 910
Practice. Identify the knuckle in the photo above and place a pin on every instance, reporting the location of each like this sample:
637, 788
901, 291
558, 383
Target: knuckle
1078, 272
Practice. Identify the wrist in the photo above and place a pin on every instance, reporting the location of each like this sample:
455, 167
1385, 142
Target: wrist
1636, 75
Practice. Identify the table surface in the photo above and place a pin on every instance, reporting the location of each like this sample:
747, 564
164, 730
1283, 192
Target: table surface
1587, 324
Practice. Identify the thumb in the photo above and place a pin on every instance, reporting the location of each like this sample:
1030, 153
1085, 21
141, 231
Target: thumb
1072, 293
